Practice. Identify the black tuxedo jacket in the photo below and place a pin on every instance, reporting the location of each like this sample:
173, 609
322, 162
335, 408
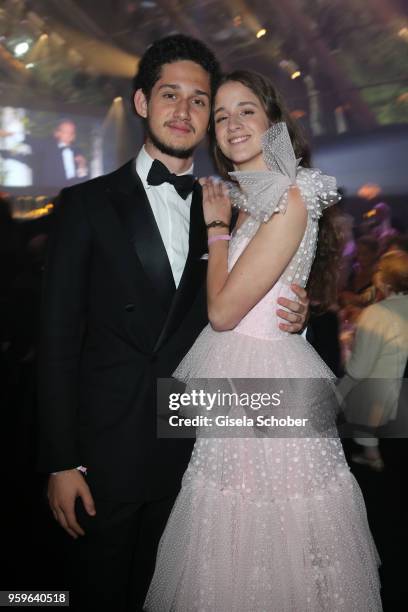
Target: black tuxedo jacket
50, 169
112, 322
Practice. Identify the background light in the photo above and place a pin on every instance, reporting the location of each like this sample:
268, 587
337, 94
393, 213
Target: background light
295, 74
21, 48
261, 33
403, 33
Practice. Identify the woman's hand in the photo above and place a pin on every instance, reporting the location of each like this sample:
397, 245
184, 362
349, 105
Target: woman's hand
216, 201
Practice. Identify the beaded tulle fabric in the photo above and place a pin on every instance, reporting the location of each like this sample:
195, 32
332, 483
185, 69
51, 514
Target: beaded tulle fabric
262, 523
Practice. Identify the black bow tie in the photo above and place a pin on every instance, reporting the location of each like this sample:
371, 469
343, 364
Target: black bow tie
159, 174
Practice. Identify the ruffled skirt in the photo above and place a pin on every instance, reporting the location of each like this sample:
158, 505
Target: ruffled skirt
264, 524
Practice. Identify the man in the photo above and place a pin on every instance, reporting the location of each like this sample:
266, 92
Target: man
124, 301
62, 163
382, 228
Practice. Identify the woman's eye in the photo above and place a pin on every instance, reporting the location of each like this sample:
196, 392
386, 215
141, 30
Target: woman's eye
219, 119
247, 111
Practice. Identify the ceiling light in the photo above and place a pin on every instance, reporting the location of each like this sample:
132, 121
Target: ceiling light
261, 33
118, 99
298, 113
403, 32
369, 191
291, 68
21, 48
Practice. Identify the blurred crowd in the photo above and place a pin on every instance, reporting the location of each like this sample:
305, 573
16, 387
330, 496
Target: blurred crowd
364, 246
22, 255
372, 315
22, 258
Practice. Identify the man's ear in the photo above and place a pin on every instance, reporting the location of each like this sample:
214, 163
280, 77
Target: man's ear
140, 101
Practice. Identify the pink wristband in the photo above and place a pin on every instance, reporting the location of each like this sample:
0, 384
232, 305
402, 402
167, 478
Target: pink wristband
219, 237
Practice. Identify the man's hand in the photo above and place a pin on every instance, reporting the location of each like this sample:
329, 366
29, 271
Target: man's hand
299, 311
63, 489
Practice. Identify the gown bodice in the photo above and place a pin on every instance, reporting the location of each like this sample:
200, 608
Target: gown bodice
261, 194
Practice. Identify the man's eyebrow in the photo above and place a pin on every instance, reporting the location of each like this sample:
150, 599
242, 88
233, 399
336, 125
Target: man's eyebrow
221, 108
199, 92
174, 86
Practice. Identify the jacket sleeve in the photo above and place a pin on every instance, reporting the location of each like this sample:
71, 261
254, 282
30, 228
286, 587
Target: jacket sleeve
63, 310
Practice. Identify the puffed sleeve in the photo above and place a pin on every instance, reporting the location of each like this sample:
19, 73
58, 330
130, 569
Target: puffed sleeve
260, 195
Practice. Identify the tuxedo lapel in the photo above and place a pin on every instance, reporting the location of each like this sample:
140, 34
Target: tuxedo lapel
138, 222
194, 271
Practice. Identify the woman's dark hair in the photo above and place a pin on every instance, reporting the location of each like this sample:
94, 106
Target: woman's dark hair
171, 49
322, 284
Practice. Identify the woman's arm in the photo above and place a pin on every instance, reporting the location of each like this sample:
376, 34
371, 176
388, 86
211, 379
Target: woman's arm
232, 296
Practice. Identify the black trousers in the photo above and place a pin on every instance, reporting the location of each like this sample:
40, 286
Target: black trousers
113, 563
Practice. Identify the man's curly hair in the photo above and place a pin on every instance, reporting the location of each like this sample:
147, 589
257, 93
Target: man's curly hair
173, 49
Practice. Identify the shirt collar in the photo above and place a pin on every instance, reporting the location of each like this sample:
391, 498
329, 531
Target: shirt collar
144, 162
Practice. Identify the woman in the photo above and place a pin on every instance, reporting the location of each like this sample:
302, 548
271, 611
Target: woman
360, 291
263, 522
374, 372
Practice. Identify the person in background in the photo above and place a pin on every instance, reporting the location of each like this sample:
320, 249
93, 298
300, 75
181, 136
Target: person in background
359, 290
381, 229
62, 162
345, 224
15, 150
10, 261
374, 371
397, 243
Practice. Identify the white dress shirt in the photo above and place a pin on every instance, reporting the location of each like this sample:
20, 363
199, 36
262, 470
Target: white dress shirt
68, 160
172, 215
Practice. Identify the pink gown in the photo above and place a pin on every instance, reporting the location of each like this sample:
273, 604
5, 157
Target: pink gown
263, 523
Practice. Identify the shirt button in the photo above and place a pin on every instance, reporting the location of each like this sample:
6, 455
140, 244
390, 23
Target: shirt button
129, 307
